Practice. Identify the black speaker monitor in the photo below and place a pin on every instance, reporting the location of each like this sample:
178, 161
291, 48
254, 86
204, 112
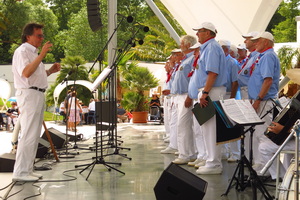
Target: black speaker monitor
58, 138
43, 148
7, 162
93, 12
176, 183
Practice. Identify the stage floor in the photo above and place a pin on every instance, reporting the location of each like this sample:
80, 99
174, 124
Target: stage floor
142, 172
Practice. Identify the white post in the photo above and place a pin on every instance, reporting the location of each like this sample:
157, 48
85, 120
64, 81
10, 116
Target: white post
164, 21
298, 28
112, 10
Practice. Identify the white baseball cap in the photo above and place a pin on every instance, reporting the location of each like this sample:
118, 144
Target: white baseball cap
206, 25
242, 46
251, 34
224, 43
176, 51
266, 35
195, 46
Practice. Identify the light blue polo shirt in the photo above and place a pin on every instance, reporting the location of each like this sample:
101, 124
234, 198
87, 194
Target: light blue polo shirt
268, 66
232, 72
181, 79
212, 59
244, 75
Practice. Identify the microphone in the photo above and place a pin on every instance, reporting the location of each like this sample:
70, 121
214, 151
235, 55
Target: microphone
145, 28
66, 78
129, 18
277, 103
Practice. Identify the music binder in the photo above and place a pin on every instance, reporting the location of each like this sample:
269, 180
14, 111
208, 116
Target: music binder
204, 114
240, 112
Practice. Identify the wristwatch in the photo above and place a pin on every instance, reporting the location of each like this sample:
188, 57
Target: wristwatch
204, 92
258, 98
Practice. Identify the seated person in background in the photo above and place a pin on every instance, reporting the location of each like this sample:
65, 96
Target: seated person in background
121, 113
268, 148
155, 106
12, 116
85, 111
91, 113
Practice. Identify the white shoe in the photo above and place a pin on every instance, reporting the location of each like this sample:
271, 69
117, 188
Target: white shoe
36, 175
225, 156
209, 170
200, 164
195, 162
181, 161
232, 159
25, 178
168, 150
257, 167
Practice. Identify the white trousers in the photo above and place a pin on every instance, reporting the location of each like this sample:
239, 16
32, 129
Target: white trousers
31, 104
185, 136
167, 114
173, 123
210, 131
233, 148
268, 148
12, 121
258, 135
199, 140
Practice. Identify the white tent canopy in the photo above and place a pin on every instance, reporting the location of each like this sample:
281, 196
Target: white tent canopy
59, 88
232, 18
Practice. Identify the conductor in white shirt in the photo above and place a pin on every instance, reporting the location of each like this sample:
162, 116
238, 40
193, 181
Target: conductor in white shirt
30, 81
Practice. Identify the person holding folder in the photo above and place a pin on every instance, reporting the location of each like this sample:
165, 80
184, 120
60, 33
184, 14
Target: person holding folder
211, 78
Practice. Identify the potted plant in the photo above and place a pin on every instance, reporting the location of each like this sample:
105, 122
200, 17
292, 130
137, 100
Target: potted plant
137, 80
287, 55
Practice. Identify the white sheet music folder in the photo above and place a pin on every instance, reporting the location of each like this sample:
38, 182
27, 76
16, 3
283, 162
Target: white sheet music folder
240, 111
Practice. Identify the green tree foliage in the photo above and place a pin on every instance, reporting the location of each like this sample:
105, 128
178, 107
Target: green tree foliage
285, 29
74, 64
16, 15
64, 9
79, 38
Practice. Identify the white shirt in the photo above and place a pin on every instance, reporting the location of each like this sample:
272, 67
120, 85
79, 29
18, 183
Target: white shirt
92, 106
25, 54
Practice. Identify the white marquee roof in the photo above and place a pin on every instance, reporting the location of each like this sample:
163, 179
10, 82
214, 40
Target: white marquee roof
232, 18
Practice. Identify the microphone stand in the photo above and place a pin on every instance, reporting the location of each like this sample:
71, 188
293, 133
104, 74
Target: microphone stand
67, 154
106, 44
112, 125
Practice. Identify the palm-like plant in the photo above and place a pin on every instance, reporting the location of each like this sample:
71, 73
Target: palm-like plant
138, 80
286, 56
74, 64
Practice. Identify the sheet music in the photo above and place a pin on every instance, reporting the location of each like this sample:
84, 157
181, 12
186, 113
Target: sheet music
240, 111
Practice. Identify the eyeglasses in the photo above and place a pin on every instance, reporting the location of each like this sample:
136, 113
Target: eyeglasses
40, 35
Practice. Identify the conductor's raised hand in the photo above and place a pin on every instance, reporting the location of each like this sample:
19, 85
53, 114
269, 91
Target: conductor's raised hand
55, 67
46, 48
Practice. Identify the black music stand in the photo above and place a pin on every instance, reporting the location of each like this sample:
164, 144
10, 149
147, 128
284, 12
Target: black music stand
239, 176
